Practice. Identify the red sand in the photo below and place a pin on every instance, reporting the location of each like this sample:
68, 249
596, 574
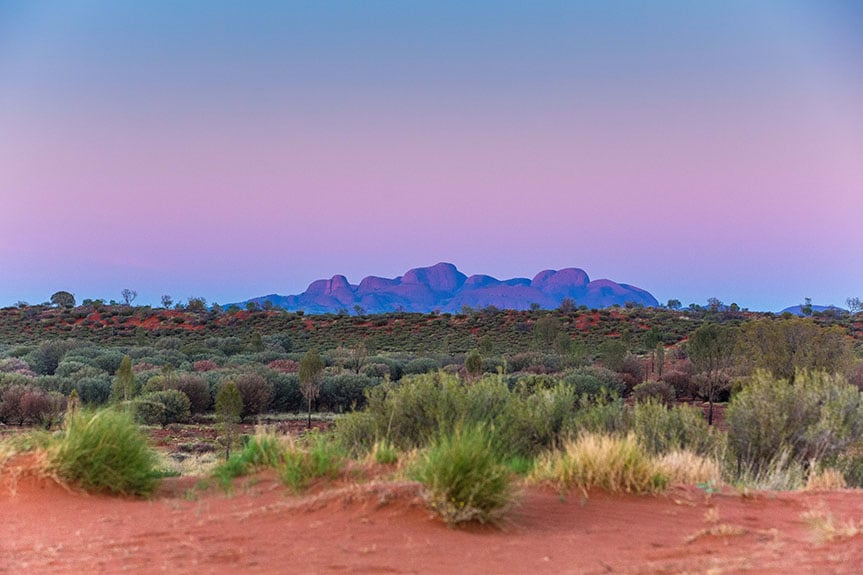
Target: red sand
384, 528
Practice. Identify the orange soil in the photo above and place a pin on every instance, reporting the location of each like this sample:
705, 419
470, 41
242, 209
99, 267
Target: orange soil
384, 528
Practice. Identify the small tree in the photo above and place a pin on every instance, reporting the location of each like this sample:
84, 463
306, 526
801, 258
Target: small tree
229, 406
124, 381
167, 301
256, 342
311, 370
63, 299
711, 349
359, 355
545, 331
473, 364
129, 295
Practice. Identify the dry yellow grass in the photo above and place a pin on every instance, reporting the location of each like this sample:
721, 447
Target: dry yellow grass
690, 468
605, 462
826, 529
827, 479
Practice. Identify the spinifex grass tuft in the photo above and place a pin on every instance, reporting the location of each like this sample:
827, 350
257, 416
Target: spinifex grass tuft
605, 462
464, 477
297, 462
104, 451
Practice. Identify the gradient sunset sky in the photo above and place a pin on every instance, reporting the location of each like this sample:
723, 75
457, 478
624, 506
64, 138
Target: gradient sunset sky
232, 149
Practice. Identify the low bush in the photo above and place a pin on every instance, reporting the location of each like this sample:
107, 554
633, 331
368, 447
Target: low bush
322, 458
816, 418
103, 451
681, 382
654, 390
344, 392
30, 405
162, 407
296, 462
464, 478
195, 388
595, 381
606, 462
421, 365
257, 393
94, 391
663, 429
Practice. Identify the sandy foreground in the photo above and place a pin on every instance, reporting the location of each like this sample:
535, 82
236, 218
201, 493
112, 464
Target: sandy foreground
382, 527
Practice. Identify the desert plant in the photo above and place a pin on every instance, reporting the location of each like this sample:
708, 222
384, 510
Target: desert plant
464, 478
311, 369
257, 393
163, 407
103, 451
690, 468
656, 390
606, 462
124, 381
195, 388
297, 463
229, 408
473, 364
816, 418
663, 429
149, 410
595, 381
321, 458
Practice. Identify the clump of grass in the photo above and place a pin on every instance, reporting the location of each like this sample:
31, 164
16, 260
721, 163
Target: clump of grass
322, 458
384, 453
827, 479
606, 462
520, 465
690, 468
297, 463
464, 478
104, 451
826, 529
780, 473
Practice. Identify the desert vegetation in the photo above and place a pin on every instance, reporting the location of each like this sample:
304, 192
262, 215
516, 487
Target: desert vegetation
474, 407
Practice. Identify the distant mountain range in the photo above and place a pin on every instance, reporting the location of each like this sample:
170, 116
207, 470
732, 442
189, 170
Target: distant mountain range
443, 287
798, 309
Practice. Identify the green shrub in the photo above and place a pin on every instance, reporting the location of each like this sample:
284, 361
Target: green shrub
296, 463
257, 393
601, 414
421, 365
162, 407
149, 410
816, 418
464, 477
663, 429
103, 451
196, 389
595, 381
654, 390
384, 453
263, 450
286, 391
536, 421
322, 458
340, 393
94, 391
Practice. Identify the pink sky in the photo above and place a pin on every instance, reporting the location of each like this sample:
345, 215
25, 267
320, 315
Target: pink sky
694, 153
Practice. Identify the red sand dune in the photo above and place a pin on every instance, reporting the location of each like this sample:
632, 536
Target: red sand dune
384, 528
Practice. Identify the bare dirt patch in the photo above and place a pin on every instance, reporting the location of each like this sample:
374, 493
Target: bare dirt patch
381, 527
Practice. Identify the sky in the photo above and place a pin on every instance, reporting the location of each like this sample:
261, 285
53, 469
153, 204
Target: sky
228, 150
